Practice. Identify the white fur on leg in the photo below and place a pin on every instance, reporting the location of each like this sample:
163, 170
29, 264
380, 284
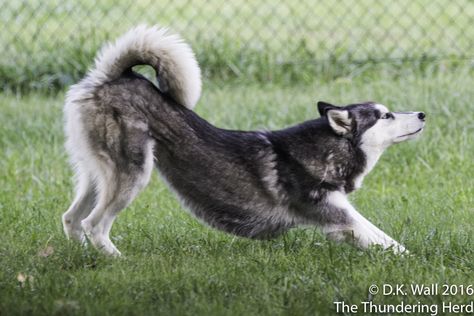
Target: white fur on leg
106, 190
80, 207
116, 191
361, 231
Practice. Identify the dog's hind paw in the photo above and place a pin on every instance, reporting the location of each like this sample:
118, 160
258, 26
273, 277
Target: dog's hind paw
99, 240
73, 232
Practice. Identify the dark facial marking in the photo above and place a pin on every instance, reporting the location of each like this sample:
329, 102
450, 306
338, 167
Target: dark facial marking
364, 115
387, 116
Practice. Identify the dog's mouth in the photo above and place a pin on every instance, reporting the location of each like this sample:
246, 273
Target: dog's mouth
409, 134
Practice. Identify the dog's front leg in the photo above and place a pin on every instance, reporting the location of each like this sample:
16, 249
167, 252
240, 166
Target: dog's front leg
357, 229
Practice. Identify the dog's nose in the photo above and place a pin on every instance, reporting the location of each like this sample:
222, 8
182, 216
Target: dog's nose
421, 116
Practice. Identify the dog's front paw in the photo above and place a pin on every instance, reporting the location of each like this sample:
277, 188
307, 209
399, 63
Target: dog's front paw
398, 249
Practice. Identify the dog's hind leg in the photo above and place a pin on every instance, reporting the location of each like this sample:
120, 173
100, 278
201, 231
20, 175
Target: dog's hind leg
117, 185
81, 206
356, 228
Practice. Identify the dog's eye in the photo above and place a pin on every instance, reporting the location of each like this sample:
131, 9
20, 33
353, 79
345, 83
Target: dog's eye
387, 116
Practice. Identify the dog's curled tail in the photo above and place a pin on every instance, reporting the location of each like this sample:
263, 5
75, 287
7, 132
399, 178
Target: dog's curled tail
176, 67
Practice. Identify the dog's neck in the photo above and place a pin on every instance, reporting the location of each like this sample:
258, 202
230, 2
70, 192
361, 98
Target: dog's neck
372, 155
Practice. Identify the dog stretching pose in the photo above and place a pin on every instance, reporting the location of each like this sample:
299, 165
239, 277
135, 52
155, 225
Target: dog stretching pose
254, 184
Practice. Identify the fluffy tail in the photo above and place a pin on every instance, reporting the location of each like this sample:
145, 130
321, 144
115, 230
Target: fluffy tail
173, 60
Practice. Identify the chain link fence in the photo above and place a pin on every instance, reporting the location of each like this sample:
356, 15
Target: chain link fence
50, 43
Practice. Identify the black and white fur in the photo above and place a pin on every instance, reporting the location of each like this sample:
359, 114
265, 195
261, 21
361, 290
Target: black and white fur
253, 184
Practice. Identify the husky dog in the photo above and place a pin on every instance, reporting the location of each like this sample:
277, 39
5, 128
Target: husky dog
252, 184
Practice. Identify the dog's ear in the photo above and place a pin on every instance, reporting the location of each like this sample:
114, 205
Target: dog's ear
323, 107
340, 121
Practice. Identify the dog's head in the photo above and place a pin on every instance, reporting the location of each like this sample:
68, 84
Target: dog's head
372, 124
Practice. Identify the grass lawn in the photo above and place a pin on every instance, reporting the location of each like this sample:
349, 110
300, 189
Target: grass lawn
421, 193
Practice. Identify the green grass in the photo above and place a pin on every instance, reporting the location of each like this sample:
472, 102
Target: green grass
421, 192
50, 44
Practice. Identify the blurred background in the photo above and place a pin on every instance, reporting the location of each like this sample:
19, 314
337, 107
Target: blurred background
48, 45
